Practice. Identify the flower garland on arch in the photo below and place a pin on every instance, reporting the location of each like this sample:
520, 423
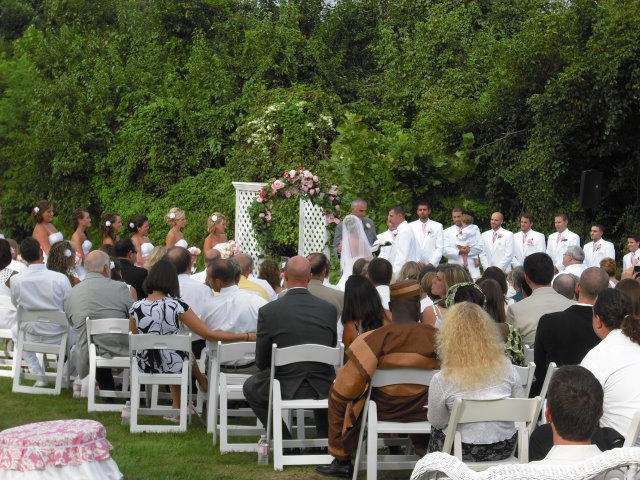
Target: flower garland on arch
294, 184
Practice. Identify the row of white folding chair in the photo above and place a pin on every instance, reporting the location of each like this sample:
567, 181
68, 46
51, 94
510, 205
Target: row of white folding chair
522, 411
526, 376
528, 354
6, 359
286, 356
375, 427
180, 343
634, 431
112, 326
543, 395
228, 386
60, 351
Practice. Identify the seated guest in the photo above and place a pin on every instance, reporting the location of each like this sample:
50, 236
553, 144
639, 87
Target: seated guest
97, 296
524, 315
131, 274
209, 256
319, 272
62, 259
162, 312
565, 284
574, 406
270, 273
245, 262
37, 288
7, 310
402, 343
296, 318
380, 272
360, 266
572, 434
632, 289
522, 289
615, 361
573, 261
447, 275
473, 366
362, 309
232, 310
425, 290
409, 271
566, 337
15, 265
609, 266
499, 276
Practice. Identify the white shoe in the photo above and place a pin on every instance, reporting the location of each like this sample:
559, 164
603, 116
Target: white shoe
41, 384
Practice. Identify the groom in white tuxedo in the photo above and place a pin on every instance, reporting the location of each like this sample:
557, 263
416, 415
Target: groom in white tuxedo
429, 236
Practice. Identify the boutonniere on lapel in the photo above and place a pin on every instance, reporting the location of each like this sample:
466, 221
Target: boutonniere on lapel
562, 239
394, 233
429, 232
367, 225
499, 236
596, 246
530, 242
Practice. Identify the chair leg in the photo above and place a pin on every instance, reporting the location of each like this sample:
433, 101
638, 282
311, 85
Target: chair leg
278, 451
135, 402
372, 442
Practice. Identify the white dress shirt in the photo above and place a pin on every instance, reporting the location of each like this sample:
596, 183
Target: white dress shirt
197, 296
233, 310
430, 239
557, 246
594, 252
384, 237
385, 295
266, 285
37, 288
17, 266
497, 249
524, 244
200, 277
568, 455
451, 249
404, 248
627, 262
615, 362
573, 269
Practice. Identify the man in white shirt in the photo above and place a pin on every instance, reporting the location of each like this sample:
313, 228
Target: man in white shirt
37, 288
574, 406
385, 241
455, 252
429, 236
615, 361
497, 245
245, 264
598, 249
233, 309
192, 292
209, 257
527, 240
573, 261
404, 248
632, 259
562, 239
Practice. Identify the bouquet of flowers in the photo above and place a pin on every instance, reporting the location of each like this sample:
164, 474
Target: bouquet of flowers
228, 249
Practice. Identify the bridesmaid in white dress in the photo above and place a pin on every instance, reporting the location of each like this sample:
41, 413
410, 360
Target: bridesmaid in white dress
139, 227
81, 220
110, 224
216, 226
178, 220
44, 231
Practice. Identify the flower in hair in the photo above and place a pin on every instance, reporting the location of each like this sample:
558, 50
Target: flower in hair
36, 209
214, 218
67, 253
132, 225
112, 265
172, 215
107, 223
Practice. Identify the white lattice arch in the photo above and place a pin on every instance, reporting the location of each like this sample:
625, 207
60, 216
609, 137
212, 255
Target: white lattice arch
312, 227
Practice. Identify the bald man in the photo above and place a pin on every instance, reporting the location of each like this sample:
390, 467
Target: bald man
296, 318
209, 257
497, 245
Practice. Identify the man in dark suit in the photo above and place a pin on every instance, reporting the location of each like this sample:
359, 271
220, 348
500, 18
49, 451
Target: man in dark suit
566, 337
359, 209
131, 274
295, 319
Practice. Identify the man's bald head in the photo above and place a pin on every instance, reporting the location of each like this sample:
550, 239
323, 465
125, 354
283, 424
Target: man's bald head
593, 281
211, 255
245, 262
297, 272
181, 259
565, 285
95, 261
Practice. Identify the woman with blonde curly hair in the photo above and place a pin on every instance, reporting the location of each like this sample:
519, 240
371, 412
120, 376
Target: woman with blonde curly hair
110, 223
216, 226
472, 366
177, 219
447, 275
62, 259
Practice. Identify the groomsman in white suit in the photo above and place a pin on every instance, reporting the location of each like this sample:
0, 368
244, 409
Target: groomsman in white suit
497, 245
632, 258
455, 252
562, 239
526, 241
429, 236
404, 248
598, 248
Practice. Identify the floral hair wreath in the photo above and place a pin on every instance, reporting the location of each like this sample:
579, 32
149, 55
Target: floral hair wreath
36, 209
453, 289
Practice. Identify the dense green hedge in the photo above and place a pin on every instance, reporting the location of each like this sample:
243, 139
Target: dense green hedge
140, 106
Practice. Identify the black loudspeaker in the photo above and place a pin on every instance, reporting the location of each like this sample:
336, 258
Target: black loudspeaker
590, 187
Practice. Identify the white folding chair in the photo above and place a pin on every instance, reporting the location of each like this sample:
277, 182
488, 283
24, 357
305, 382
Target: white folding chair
526, 376
519, 410
286, 356
113, 326
141, 342
58, 350
634, 431
375, 427
543, 394
528, 354
6, 360
228, 386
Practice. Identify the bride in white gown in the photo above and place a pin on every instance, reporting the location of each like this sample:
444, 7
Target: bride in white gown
355, 245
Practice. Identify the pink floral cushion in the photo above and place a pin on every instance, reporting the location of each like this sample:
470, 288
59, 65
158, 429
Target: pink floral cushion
38, 446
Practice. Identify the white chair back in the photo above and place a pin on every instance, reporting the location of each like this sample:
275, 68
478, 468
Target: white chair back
526, 376
103, 326
634, 431
543, 392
